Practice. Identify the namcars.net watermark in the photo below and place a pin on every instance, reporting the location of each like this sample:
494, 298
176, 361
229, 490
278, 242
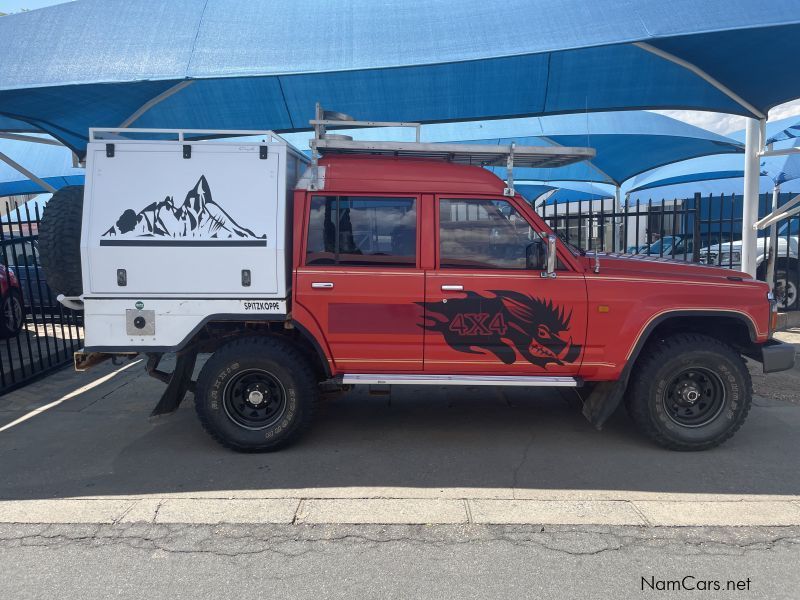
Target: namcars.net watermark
691, 583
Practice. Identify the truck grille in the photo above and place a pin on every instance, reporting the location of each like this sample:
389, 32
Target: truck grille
709, 258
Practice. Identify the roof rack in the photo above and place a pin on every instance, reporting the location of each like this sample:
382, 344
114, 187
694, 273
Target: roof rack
484, 155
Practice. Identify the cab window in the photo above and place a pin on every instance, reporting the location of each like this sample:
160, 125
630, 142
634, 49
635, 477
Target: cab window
486, 234
362, 231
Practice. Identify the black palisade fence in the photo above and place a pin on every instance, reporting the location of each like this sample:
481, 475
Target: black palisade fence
703, 229
38, 334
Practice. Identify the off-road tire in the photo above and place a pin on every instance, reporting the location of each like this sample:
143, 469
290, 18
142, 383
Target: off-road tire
11, 330
662, 363
60, 241
791, 297
269, 357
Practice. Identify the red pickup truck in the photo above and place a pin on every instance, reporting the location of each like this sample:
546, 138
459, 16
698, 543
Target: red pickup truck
399, 270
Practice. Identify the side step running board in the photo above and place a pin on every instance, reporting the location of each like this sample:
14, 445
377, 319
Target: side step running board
517, 380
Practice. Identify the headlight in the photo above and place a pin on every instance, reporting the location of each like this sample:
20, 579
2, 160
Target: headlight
736, 257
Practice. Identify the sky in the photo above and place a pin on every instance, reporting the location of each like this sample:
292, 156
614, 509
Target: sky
716, 122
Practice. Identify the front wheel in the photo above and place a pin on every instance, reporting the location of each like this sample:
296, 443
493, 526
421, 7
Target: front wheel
689, 392
256, 394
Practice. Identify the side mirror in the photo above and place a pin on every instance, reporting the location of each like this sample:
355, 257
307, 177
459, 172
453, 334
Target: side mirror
536, 255
551, 255
541, 256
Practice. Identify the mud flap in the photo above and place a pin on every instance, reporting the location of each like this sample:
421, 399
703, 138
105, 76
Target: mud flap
603, 401
178, 382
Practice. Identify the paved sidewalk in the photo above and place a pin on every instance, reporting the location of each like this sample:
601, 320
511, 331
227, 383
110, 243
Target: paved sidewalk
405, 510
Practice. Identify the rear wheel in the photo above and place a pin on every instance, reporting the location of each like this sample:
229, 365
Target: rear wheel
689, 392
256, 394
12, 315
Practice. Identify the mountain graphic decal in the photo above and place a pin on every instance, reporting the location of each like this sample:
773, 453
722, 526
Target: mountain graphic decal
197, 218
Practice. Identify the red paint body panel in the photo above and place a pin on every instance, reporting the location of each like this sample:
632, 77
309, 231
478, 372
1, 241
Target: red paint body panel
638, 290
373, 319
367, 347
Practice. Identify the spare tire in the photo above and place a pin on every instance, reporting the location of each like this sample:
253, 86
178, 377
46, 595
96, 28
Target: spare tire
60, 241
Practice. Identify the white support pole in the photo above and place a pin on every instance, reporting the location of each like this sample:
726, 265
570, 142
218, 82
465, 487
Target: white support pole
752, 146
617, 232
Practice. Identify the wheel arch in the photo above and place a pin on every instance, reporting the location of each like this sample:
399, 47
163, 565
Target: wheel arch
606, 396
731, 327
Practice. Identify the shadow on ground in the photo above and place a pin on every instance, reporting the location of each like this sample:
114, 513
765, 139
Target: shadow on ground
101, 442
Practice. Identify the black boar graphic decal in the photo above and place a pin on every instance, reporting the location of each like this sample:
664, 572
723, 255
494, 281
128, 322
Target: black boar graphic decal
199, 217
505, 324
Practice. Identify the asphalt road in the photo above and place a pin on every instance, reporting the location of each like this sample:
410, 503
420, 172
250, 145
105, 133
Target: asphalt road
101, 442
442, 562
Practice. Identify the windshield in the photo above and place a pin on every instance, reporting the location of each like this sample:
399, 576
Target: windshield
665, 243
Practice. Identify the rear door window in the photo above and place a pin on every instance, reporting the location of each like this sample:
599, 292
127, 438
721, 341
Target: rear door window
362, 231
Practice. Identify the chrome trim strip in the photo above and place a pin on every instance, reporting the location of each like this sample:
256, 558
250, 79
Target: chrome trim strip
504, 380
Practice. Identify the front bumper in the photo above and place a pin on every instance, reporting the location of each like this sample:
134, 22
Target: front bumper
777, 356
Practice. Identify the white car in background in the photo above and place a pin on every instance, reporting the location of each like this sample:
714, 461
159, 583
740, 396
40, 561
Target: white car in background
729, 255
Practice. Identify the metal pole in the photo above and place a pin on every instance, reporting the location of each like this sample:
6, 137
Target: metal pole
753, 145
773, 240
18, 167
616, 233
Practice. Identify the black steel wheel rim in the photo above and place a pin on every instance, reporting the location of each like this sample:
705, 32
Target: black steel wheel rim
694, 397
12, 312
254, 399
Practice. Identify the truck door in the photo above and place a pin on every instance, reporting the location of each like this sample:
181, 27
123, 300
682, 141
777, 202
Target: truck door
488, 309
361, 281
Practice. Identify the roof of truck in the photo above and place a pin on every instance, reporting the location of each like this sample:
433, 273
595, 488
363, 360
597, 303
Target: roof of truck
379, 174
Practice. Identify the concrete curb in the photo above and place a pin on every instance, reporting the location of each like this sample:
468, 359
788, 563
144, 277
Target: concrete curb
685, 512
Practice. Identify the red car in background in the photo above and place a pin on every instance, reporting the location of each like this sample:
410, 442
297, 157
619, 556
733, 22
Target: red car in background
11, 311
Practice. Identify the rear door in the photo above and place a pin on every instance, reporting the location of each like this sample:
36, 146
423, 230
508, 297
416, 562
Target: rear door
488, 309
361, 281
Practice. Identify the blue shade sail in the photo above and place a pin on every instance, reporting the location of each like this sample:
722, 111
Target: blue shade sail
778, 169
713, 187
777, 131
263, 65
53, 164
627, 143
560, 192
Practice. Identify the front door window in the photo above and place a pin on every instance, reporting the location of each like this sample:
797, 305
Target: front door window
484, 234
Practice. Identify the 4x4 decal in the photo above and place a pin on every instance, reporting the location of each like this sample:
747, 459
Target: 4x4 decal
506, 324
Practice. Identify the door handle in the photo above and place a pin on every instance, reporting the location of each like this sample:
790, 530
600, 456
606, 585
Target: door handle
321, 285
452, 288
